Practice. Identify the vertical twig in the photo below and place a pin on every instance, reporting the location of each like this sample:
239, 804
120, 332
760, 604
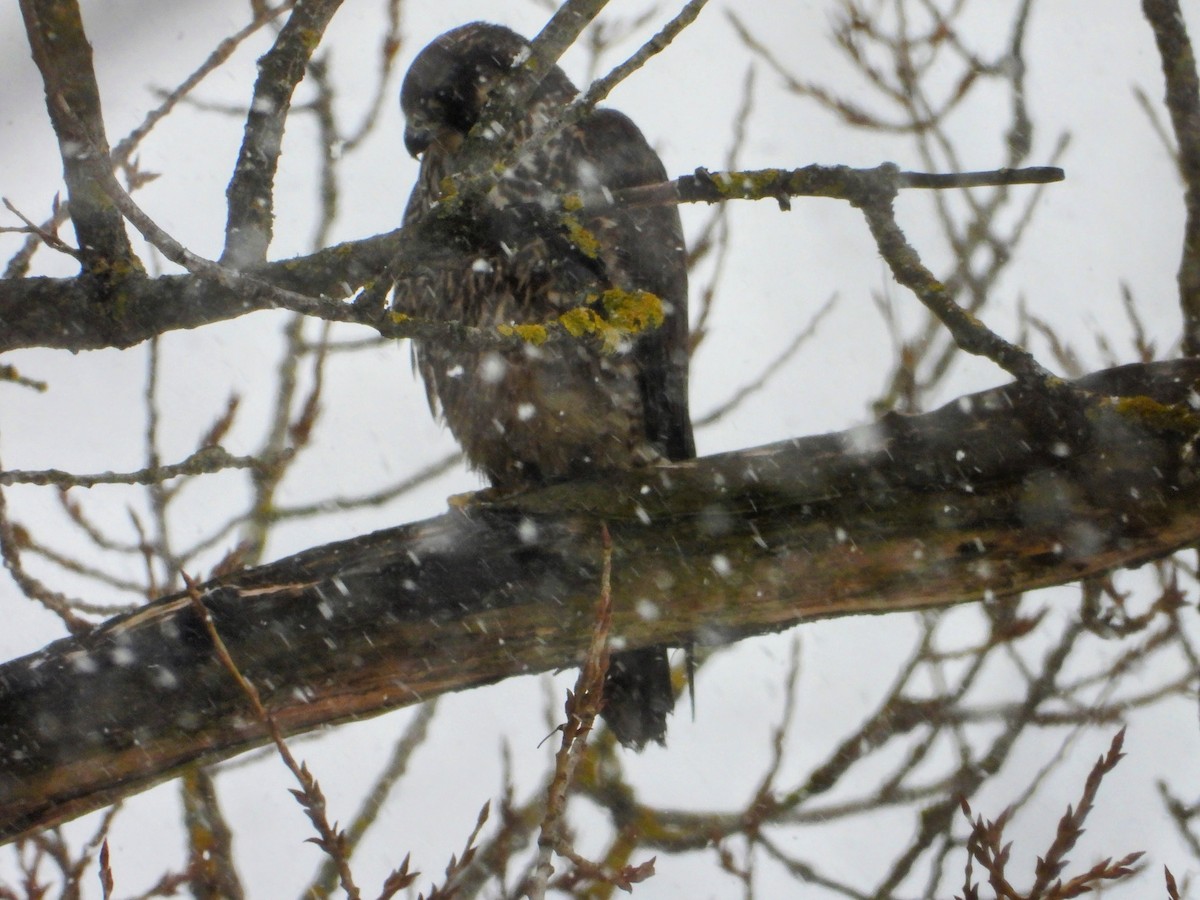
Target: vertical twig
106, 875
583, 705
309, 796
1183, 102
64, 57
11, 541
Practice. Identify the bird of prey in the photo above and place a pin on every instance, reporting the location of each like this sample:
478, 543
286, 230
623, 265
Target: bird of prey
530, 416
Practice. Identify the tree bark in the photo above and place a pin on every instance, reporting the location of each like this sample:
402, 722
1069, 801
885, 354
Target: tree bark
991, 495
63, 55
62, 312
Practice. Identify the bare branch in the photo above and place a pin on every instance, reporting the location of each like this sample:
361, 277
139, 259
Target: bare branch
551, 43
64, 58
11, 542
211, 868
582, 707
202, 462
310, 797
251, 190
1183, 102
602, 87
836, 182
326, 880
969, 333
220, 54
47, 237
354, 628
33, 309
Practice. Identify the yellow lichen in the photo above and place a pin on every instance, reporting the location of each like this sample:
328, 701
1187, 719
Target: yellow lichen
116, 269
572, 202
624, 313
581, 237
532, 333
310, 38
1159, 416
399, 318
580, 321
756, 185
762, 184
632, 311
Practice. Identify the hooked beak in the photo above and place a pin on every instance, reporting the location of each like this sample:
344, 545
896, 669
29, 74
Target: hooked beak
417, 140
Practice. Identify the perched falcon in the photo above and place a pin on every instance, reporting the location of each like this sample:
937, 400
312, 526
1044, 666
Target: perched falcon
534, 415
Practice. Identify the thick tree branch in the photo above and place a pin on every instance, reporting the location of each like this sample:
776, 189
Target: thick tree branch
251, 191
60, 312
64, 57
985, 497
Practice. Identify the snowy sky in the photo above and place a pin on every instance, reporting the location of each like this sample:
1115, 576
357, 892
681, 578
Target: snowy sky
1115, 220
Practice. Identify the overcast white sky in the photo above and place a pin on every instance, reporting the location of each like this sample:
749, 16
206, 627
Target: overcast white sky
1116, 219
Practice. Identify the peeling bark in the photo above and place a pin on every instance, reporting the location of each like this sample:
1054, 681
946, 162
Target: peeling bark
989, 496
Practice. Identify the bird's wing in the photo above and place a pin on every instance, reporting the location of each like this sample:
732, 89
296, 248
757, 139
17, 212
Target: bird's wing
643, 249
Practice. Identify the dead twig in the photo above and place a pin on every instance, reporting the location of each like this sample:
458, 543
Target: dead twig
309, 796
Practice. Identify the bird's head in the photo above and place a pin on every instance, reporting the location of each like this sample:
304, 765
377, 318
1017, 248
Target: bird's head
448, 84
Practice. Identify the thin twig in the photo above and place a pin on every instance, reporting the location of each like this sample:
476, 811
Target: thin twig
582, 707
11, 542
412, 738
602, 87
969, 333
309, 796
13, 376
389, 48
770, 369
203, 462
220, 54
1070, 826
376, 498
47, 237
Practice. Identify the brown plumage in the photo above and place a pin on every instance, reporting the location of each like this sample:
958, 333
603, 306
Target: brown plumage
529, 416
